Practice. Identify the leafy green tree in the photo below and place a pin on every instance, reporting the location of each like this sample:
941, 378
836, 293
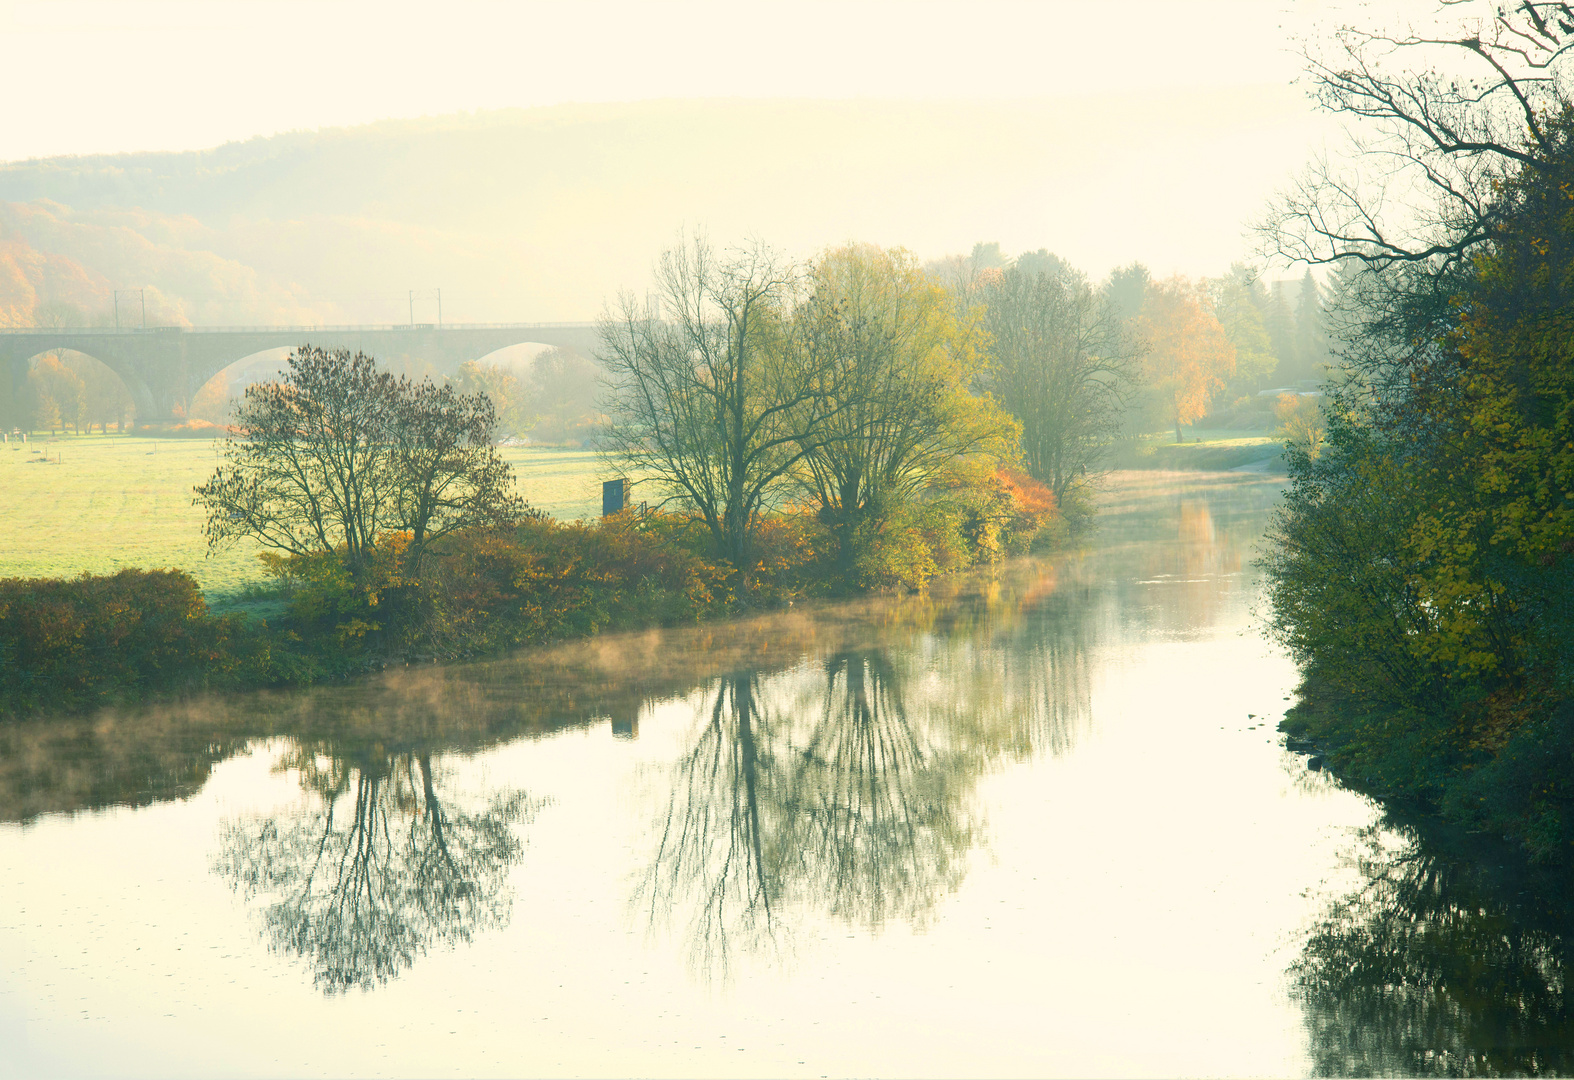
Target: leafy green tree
1311, 341
1448, 455
1042, 261
1239, 301
1279, 321
1127, 288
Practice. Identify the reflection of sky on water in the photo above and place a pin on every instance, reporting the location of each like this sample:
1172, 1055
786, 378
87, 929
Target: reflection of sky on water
1022, 825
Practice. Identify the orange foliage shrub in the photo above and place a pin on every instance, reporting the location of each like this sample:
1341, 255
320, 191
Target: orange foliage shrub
544, 580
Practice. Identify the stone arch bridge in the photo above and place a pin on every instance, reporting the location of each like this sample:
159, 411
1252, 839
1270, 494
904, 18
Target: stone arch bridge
164, 366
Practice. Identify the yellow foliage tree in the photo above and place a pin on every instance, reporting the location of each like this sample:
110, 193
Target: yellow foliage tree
897, 361
1190, 354
1301, 422
57, 395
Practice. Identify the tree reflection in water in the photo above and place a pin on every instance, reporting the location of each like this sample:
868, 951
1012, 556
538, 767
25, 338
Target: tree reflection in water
843, 803
718, 845
875, 825
381, 871
1435, 966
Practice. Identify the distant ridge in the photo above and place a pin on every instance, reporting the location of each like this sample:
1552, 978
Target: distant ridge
540, 214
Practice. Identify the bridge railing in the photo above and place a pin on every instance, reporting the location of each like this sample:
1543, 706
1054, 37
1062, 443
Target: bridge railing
325, 329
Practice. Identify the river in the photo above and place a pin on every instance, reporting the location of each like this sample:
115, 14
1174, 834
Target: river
1035, 823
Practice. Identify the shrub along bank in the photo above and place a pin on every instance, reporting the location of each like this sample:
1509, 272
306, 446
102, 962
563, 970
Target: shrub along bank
82, 642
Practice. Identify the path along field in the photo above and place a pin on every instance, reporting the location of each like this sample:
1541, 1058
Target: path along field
102, 502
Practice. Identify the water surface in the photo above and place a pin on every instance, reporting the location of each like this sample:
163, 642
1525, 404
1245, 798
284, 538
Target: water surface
1036, 823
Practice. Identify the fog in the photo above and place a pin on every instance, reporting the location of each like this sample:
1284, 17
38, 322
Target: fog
534, 188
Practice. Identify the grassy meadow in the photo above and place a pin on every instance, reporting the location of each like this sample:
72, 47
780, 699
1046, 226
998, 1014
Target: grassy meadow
1205, 450
103, 502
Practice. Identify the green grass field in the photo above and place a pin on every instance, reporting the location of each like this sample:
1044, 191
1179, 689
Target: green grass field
1204, 450
102, 502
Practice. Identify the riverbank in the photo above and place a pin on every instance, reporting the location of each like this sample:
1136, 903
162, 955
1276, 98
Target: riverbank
80, 643
1205, 450
98, 503
1492, 766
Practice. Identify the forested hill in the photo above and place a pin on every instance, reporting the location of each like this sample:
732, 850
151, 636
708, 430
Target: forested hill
539, 214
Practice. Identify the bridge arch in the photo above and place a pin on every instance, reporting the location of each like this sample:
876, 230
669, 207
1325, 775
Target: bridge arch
210, 400
518, 355
165, 366
16, 367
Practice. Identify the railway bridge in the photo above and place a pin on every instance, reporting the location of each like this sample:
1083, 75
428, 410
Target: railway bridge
165, 366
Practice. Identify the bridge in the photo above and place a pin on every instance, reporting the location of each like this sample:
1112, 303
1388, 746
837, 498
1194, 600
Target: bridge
165, 366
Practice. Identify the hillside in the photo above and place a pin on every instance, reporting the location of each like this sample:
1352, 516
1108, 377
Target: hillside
540, 214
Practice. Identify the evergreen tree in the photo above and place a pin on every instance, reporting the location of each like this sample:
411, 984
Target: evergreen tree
1128, 288
1311, 341
1280, 322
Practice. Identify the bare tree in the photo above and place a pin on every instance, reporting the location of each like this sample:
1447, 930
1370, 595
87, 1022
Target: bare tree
447, 475
1448, 106
1064, 363
706, 401
307, 470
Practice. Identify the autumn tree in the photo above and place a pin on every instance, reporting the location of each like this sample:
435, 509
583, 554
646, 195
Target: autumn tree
1301, 422
1189, 356
337, 455
1062, 361
105, 398
896, 361
705, 398
56, 395
1420, 570
509, 397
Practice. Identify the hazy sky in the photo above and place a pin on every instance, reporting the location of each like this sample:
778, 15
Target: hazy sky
1143, 130
114, 75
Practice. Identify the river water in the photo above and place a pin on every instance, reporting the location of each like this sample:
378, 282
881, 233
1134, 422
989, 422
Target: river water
1036, 823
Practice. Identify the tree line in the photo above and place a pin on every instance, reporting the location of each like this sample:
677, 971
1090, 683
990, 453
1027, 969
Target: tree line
67, 390
1420, 571
857, 421
864, 386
